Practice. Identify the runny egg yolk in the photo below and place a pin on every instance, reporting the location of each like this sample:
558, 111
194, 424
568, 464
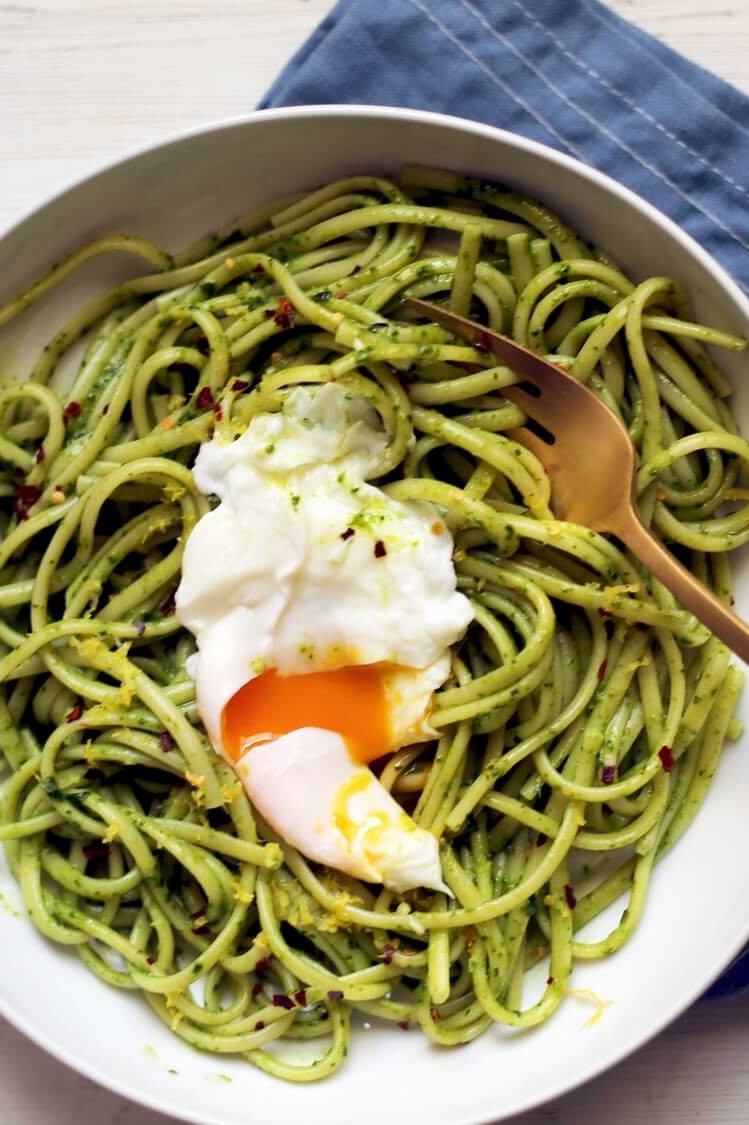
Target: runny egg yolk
350, 701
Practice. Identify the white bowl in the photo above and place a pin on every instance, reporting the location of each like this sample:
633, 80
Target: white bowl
173, 193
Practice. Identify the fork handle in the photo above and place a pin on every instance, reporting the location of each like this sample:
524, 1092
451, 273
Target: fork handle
692, 593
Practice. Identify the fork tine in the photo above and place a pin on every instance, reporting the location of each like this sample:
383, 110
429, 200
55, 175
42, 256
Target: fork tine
527, 402
536, 409
530, 441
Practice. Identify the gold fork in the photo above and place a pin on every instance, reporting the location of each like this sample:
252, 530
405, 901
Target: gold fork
591, 463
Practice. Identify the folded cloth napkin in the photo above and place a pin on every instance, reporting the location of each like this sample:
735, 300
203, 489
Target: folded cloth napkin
568, 73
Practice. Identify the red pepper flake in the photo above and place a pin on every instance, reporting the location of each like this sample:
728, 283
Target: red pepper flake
470, 935
105, 408
150, 960
74, 715
166, 742
549, 980
259, 1025
404, 1025
435, 1014
26, 496
342, 295
96, 851
140, 627
240, 385
355, 270
347, 534
204, 398
387, 953
300, 997
218, 412
278, 1000
259, 268
608, 775
602, 669
262, 964
667, 758
169, 605
72, 410
200, 926
569, 896
335, 994
257, 988
541, 840
39, 455
605, 612
380, 550
284, 318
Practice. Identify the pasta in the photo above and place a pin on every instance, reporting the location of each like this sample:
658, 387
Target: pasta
586, 712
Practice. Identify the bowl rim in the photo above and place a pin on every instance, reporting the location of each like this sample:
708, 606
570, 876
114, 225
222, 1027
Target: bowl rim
419, 116
708, 264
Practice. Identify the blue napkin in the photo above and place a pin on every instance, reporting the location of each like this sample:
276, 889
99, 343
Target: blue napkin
568, 73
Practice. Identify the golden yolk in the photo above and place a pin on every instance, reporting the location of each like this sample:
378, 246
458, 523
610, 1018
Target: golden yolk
350, 701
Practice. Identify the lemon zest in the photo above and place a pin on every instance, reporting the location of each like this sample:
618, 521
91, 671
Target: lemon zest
592, 998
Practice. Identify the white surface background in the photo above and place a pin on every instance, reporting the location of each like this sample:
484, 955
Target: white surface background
84, 82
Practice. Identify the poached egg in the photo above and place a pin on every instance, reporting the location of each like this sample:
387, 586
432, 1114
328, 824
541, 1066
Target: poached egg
323, 612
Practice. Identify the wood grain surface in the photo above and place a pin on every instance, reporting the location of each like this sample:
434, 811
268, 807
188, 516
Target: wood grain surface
85, 81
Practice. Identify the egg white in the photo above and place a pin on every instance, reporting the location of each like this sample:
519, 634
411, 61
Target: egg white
336, 812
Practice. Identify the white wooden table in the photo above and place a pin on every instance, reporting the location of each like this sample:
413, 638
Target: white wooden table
83, 81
